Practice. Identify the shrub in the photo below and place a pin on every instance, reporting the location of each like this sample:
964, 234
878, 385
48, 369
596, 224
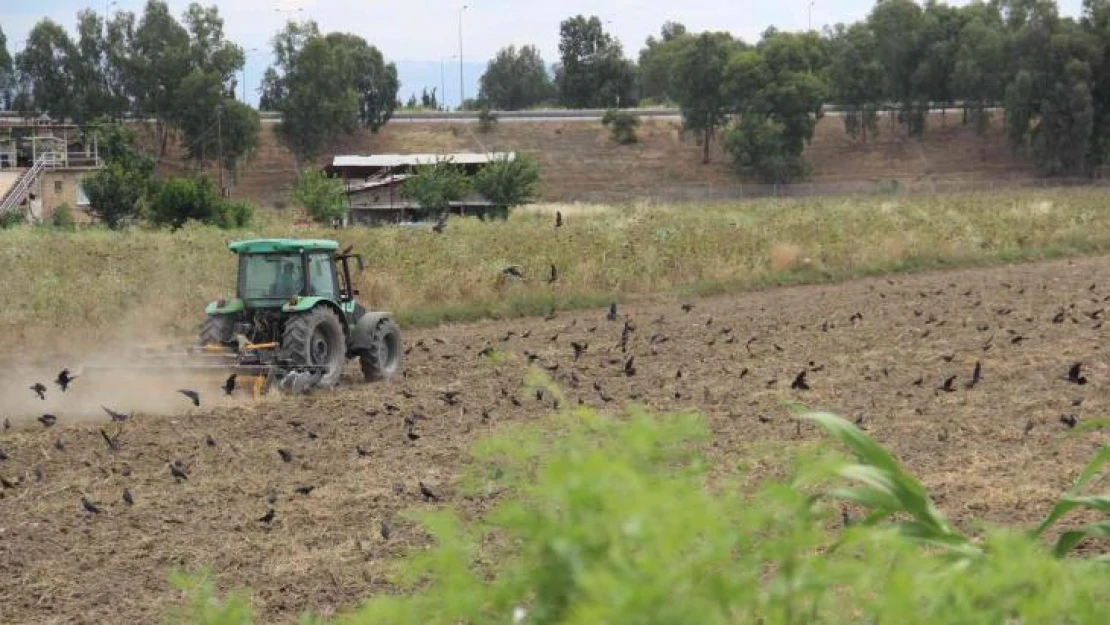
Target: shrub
322, 196
508, 183
759, 145
63, 217
11, 219
178, 200
435, 186
486, 119
622, 125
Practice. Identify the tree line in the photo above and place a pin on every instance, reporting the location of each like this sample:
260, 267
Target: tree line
760, 101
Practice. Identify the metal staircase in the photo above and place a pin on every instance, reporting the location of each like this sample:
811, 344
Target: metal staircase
22, 187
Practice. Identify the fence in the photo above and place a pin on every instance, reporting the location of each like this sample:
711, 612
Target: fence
891, 187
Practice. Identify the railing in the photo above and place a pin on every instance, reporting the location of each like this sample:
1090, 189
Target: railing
19, 191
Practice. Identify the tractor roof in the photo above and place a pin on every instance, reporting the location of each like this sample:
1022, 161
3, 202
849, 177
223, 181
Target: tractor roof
268, 246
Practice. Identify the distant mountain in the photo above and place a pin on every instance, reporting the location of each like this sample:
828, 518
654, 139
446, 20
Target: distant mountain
417, 75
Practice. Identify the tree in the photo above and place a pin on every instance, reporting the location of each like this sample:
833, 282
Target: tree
699, 77
593, 72
658, 60
435, 186
7, 75
326, 86
508, 183
116, 190
777, 91
322, 196
855, 76
1096, 22
897, 27
46, 61
515, 79
158, 60
979, 71
1050, 105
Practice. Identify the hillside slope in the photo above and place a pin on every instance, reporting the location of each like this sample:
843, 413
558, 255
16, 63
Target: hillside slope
581, 162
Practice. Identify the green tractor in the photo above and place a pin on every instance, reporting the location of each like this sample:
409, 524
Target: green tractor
295, 320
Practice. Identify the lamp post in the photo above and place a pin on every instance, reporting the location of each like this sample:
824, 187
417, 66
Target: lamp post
462, 89
809, 15
108, 7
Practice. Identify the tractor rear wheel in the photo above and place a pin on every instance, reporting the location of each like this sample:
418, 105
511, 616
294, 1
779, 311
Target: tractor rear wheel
383, 359
218, 329
315, 338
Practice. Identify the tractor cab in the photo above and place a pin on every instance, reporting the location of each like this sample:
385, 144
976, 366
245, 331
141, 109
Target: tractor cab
274, 272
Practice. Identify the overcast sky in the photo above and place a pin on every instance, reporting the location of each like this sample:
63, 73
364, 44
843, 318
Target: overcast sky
420, 33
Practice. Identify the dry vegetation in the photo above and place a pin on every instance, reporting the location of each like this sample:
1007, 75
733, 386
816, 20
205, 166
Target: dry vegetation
69, 289
579, 159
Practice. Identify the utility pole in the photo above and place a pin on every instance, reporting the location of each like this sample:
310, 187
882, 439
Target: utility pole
809, 15
462, 89
220, 147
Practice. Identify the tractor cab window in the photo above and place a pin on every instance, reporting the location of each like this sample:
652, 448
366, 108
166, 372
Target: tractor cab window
271, 276
321, 277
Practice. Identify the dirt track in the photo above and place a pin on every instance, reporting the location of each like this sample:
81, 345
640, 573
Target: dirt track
323, 551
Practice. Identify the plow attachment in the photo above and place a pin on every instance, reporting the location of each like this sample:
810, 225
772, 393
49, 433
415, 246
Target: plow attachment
256, 366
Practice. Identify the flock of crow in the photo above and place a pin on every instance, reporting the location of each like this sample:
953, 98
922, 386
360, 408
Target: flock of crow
672, 355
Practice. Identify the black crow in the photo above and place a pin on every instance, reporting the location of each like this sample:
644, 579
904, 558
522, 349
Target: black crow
385, 530
579, 349
113, 442
1075, 374
554, 274
799, 383
427, 493
127, 498
229, 384
304, 490
558, 221
89, 506
268, 517
178, 471
47, 420
976, 374
947, 386
1069, 420
116, 416
612, 316
286, 455
193, 395
629, 369
40, 389
63, 379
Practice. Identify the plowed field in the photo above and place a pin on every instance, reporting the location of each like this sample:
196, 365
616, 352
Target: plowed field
877, 350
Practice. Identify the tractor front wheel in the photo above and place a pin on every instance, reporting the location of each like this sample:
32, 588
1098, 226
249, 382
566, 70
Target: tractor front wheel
315, 339
383, 358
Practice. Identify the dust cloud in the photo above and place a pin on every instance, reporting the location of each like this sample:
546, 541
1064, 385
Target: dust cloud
129, 389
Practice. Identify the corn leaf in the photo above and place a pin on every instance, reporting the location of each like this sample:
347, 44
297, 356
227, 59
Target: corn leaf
1068, 540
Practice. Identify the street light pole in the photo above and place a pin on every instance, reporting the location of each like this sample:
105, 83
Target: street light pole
809, 15
462, 89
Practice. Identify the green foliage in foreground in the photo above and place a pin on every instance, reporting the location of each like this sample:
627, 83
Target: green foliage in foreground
606, 520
